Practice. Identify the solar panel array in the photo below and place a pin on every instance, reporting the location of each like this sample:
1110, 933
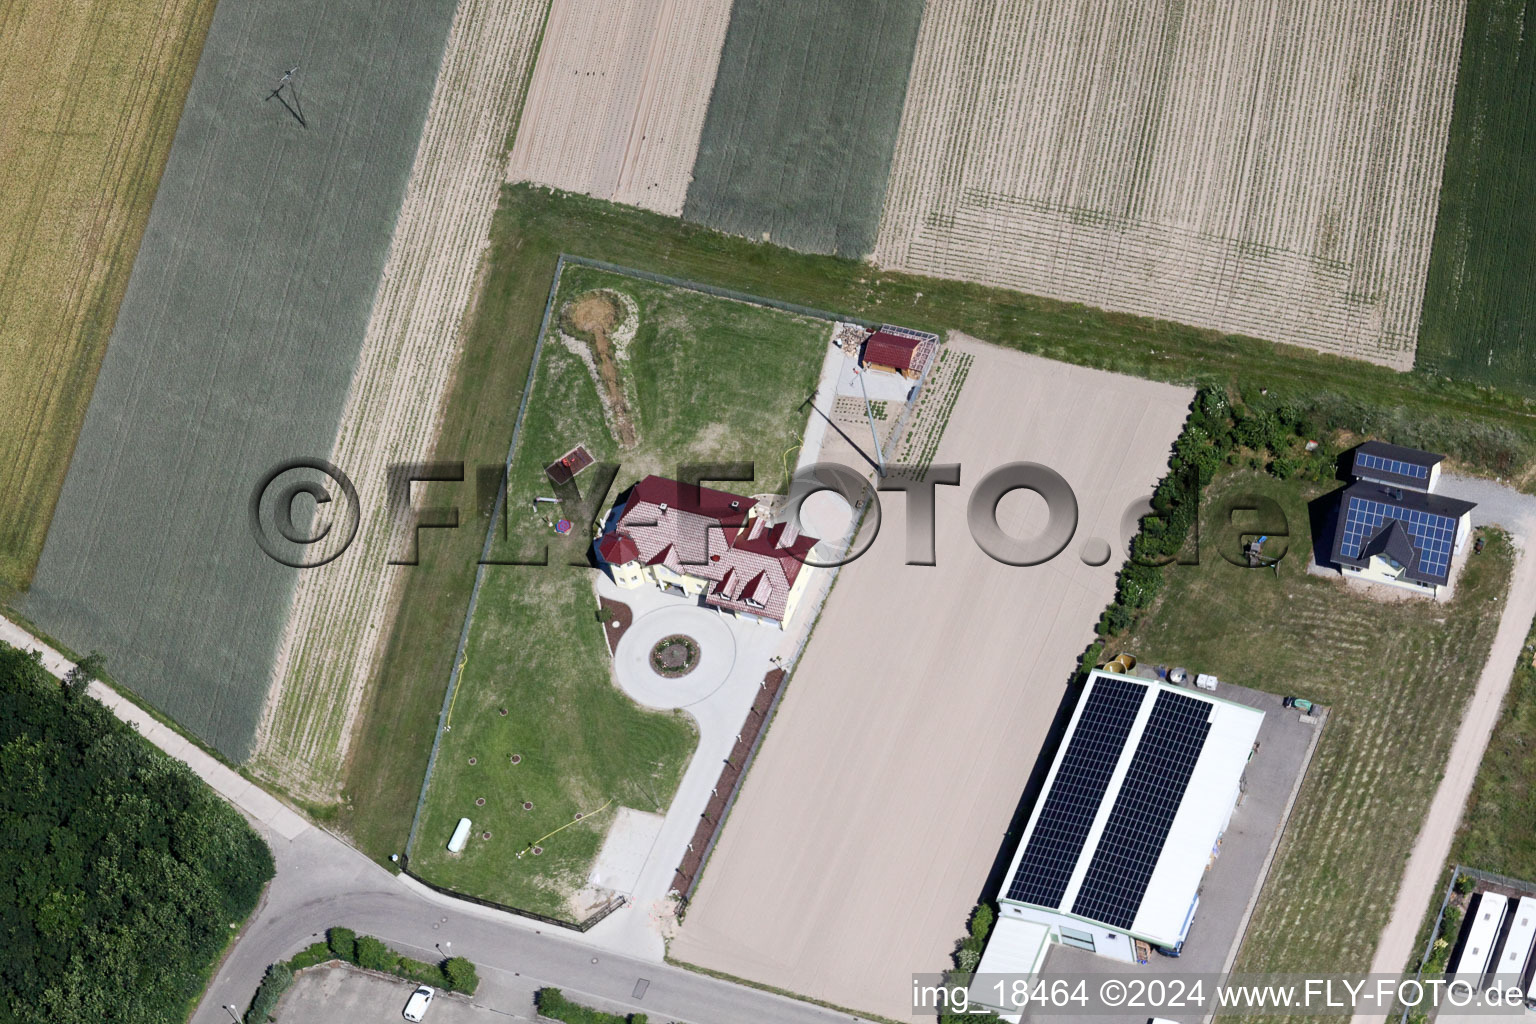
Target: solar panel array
1051, 854
1144, 810
1365, 460
1433, 535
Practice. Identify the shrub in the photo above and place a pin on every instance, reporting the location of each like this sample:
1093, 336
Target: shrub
1465, 884
461, 975
343, 943
374, 955
319, 953
981, 921
551, 1002
279, 976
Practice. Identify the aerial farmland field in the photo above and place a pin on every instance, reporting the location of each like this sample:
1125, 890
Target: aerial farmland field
341, 611
1270, 170
1480, 301
93, 91
234, 348
706, 379
618, 98
798, 139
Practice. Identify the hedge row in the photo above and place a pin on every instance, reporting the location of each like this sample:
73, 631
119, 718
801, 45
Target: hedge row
455, 974
1220, 431
553, 1004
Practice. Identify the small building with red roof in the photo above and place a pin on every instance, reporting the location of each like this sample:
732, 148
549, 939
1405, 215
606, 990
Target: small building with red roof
900, 350
709, 544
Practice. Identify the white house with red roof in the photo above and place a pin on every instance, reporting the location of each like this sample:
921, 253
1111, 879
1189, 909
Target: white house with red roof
709, 544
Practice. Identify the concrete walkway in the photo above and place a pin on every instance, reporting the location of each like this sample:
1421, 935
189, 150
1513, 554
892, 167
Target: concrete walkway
1516, 513
257, 804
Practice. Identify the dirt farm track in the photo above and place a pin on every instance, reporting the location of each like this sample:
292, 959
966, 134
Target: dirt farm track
867, 828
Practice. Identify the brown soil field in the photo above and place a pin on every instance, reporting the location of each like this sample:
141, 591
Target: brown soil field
340, 612
618, 98
868, 825
1270, 170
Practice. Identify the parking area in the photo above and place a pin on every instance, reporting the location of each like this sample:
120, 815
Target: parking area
329, 995
1232, 885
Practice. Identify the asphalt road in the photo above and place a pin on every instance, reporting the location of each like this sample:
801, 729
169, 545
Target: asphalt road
323, 882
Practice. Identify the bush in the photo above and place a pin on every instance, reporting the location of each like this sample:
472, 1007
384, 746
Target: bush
319, 953
278, 978
1465, 884
343, 943
418, 971
461, 975
374, 955
981, 921
551, 1002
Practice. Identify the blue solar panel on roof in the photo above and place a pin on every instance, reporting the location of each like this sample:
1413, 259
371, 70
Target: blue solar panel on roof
1071, 803
1149, 798
1366, 460
1434, 536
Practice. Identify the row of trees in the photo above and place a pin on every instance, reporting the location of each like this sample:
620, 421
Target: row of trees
121, 873
1271, 437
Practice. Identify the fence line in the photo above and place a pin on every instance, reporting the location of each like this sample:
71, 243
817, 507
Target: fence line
715, 290
485, 553
576, 926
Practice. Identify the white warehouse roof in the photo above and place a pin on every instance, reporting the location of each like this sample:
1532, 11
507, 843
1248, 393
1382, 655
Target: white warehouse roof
1141, 789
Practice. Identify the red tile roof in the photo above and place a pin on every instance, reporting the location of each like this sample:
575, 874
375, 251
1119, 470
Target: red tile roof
886, 349
699, 531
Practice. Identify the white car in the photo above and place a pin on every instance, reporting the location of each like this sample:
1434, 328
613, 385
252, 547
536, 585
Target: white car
416, 1007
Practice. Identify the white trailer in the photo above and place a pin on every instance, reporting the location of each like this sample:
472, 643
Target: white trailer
1516, 953
1482, 931
460, 836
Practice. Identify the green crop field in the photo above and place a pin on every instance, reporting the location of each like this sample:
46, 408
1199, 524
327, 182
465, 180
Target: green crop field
1484, 429
93, 91
1395, 676
234, 348
715, 380
1480, 299
798, 139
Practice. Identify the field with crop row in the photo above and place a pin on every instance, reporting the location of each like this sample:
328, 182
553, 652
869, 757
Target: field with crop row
93, 91
797, 143
1480, 301
618, 97
341, 610
234, 348
1261, 169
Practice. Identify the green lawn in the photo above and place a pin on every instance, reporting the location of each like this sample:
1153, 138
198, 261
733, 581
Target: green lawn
716, 380
1486, 429
1395, 676
1480, 298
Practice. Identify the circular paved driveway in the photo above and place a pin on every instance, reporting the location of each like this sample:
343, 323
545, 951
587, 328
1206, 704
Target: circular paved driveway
717, 655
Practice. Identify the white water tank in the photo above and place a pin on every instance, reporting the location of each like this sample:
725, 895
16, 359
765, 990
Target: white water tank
460, 837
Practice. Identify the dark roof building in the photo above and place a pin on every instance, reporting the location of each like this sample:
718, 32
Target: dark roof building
1393, 464
1413, 533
